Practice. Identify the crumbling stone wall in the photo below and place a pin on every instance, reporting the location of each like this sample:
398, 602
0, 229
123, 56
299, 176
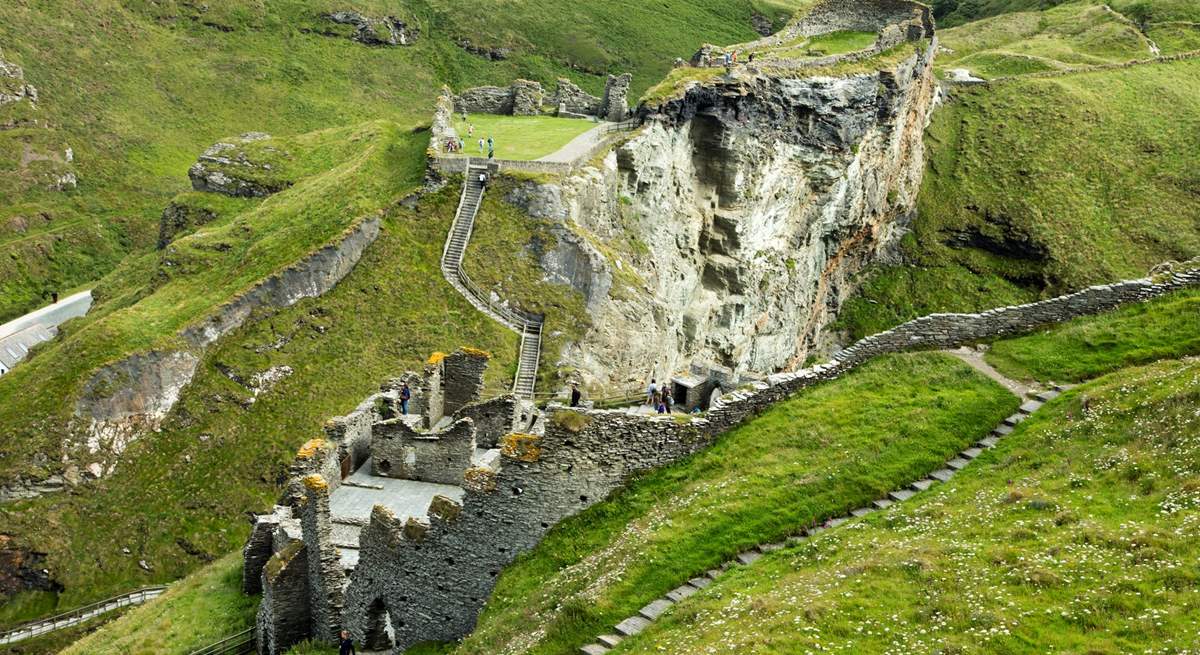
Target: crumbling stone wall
615, 104
326, 579
527, 98
283, 614
571, 99
399, 451
352, 432
316, 456
462, 378
492, 418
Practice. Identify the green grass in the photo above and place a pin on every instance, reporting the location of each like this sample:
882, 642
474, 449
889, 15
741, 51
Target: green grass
833, 43
138, 89
1069, 36
386, 316
1077, 534
1092, 346
522, 138
503, 233
200, 609
827, 450
1036, 187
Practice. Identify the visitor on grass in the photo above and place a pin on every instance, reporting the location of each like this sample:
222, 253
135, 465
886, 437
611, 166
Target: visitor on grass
481, 145
491, 143
471, 129
405, 396
651, 391
575, 394
347, 646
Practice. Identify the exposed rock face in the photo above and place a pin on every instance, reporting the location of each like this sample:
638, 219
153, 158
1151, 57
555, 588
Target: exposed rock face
177, 218
126, 399
12, 85
226, 167
386, 31
745, 206
761, 24
615, 105
491, 54
23, 570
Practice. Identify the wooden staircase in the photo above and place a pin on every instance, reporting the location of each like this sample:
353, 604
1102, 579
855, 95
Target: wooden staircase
528, 325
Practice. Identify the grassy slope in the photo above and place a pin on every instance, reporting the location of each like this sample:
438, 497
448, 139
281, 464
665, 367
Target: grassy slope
1037, 187
198, 610
504, 234
829, 449
138, 88
1092, 346
386, 316
1079, 533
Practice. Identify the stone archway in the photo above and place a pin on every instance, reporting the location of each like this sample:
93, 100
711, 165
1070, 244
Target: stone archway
379, 635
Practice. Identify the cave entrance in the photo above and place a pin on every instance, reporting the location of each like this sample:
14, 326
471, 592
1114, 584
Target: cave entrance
380, 635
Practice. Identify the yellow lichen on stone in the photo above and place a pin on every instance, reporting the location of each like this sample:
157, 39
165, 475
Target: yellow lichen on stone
436, 358
475, 352
310, 448
521, 447
444, 508
414, 530
479, 479
280, 560
315, 482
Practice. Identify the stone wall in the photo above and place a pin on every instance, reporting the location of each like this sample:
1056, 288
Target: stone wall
570, 98
283, 613
399, 451
615, 104
462, 379
491, 418
527, 98
326, 579
434, 576
352, 432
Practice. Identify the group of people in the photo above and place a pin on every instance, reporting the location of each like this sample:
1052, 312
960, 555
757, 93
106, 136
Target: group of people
457, 144
659, 398
726, 59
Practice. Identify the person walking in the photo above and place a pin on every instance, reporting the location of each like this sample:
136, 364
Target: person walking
651, 391
667, 399
471, 129
346, 647
483, 181
575, 394
480, 145
405, 396
659, 407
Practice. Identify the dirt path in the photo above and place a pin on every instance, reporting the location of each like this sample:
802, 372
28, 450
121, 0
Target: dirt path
975, 360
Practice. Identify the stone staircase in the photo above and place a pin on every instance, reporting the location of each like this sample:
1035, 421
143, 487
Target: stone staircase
528, 325
655, 608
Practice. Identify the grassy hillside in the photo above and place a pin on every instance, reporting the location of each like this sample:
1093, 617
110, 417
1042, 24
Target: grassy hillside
138, 88
802, 461
1035, 187
1078, 533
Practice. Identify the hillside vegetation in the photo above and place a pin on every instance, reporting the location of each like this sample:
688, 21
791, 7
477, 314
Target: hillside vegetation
818, 454
1039, 186
1078, 533
138, 88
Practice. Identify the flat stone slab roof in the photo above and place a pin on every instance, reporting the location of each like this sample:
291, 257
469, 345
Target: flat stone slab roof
404, 497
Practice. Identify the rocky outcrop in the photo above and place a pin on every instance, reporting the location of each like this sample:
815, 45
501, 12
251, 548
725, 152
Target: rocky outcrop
177, 218
131, 397
23, 570
728, 230
386, 31
12, 85
491, 54
230, 168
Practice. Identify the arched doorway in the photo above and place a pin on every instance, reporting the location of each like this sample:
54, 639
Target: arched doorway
379, 634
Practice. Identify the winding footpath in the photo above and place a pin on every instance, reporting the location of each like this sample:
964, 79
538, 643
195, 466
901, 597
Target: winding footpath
79, 615
1033, 400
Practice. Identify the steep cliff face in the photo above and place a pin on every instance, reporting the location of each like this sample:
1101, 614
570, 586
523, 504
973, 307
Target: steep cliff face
727, 230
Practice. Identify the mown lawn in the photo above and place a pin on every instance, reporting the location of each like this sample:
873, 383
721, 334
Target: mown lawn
521, 138
829, 449
1079, 533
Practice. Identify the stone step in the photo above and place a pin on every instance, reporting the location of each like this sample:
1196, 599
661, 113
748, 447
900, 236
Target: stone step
767, 548
815, 530
1030, 406
631, 626
712, 574
1002, 430
835, 522
699, 583
958, 463
609, 640
883, 503
1047, 396
797, 539
655, 608
901, 495
942, 475
594, 649
862, 511
682, 591
922, 485
748, 557
972, 453
1015, 419
987, 442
